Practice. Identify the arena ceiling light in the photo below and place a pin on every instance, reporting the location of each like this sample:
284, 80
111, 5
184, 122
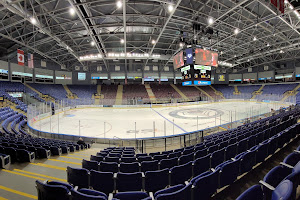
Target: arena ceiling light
153, 41
72, 11
170, 7
268, 45
122, 41
181, 44
254, 39
33, 20
210, 20
236, 31
92, 43
119, 4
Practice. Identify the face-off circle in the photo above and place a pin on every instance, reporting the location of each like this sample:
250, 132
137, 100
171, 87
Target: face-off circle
202, 113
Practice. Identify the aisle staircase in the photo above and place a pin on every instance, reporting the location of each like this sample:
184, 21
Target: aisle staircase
119, 97
258, 92
290, 93
217, 92
179, 92
97, 98
41, 95
202, 91
70, 95
236, 90
150, 93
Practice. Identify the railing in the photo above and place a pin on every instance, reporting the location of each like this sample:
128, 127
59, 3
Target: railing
41, 123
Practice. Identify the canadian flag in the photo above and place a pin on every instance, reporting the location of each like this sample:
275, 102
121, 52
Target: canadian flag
20, 57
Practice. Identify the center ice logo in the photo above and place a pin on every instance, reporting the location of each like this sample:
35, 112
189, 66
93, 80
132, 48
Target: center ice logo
201, 113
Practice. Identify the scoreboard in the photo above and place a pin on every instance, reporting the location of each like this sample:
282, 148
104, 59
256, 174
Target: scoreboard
196, 75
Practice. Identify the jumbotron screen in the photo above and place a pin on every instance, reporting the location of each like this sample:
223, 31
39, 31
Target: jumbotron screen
206, 57
178, 60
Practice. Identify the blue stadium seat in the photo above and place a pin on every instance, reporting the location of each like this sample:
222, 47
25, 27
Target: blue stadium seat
184, 193
242, 146
149, 166
129, 167
129, 181
217, 158
185, 158
168, 163
87, 194
292, 159
144, 158
223, 144
131, 195
200, 153
53, 190
154, 154
180, 174
102, 181
169, 190
261, 152
205, 185
109, 167
247, 161
229, 172
78, 177
89, 165
174, 154
213, 148
201, 165
160, 157
230, 151
156, 180
112, 159
254, 192
96, 158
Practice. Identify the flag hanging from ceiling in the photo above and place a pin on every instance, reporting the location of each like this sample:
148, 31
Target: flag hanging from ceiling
274, 2
281, 6
30, 60
20, 55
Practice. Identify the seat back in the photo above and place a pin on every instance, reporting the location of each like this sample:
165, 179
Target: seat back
254, 192
129, 167
156, 180
102, 181
78, 177
201, 165
149, 166
168, 163
89, 165
180, 174
109, 167
129, 181
51, 192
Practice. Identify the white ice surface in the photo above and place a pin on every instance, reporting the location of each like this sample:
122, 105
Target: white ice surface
120, 122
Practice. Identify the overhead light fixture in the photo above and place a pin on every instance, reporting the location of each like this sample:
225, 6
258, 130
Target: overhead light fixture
236, 31
221, 52
170, 7
119, 4
254, 39
72, 11
281, 51
248, 60
33, 20
210, 20
92, 43
181, 44
153, 41
268, 45
122, 41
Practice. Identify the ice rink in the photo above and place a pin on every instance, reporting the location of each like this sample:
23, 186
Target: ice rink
149, 122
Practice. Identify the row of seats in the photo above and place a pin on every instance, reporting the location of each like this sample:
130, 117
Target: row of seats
281, 182
241, 163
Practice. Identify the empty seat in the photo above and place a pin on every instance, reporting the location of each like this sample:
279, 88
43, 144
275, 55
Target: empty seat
87, 194
96, 158
112, 159
217, 158
129, 167
169, 190
168, 163
242, 146
102, 181
78, 177
231, 151
89, 165
186, 158
261, 152
156, 180
141, 155
144, 158
292, 159
180, 174
201, 165
129, 181
175, 154
187, 151
223, 144
149, 166
213, 148
160, 157
154, 154
247, 161
205, 185
184, 193
200, 153
53, 190
42, 152
229, 172
109, 167
131, 195
128, 159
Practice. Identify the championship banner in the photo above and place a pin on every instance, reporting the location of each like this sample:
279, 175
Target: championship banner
20, 55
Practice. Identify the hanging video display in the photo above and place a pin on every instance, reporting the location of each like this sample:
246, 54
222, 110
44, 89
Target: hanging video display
206, 57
